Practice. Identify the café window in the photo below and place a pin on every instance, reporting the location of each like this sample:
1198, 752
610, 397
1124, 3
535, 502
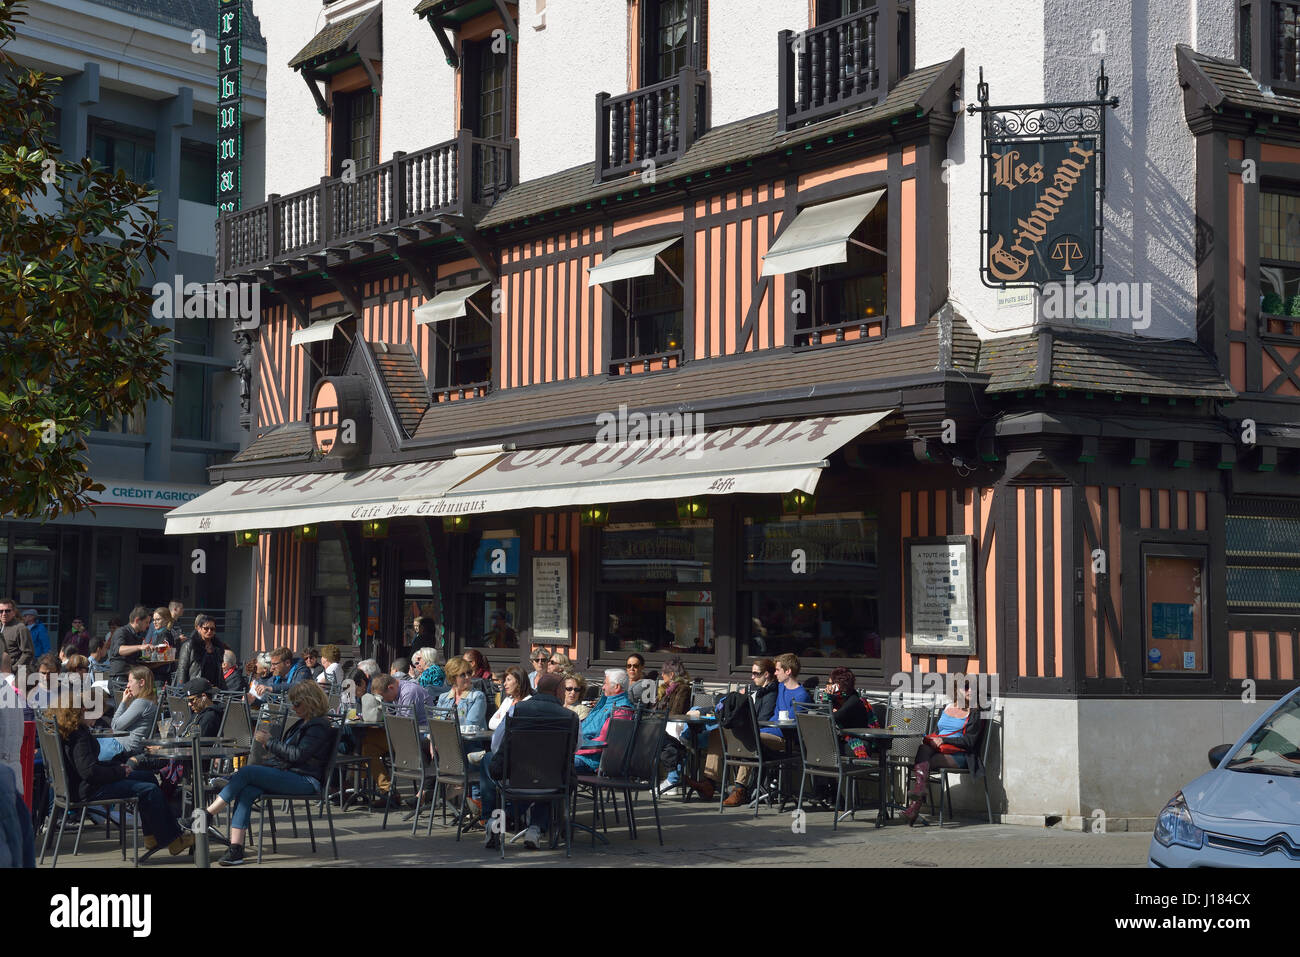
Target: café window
1263, 558
332, 618
1279, 254
1173, 593
462, 346
488, 600
649, 310
811, 586
655, 592
845, 300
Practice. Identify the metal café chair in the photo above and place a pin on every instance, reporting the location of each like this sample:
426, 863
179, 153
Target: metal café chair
643, 768
620, 738
51, 744
902, 753
321, 798
978, 771
539, 767
819, 743
407, 758
449, 766
741, 748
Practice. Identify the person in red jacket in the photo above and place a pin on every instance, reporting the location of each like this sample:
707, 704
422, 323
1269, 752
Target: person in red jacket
951, 746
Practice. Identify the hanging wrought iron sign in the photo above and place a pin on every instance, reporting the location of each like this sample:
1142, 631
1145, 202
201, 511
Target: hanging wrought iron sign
1044, 182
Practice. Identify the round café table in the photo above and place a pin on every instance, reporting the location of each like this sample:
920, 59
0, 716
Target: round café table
887, 737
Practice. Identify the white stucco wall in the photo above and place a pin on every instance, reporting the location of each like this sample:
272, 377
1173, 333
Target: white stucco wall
294, 132
743, 54
1150, 170
581, 52
419, 101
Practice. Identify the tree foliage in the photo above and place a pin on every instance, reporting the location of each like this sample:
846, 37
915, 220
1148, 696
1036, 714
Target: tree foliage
76, 342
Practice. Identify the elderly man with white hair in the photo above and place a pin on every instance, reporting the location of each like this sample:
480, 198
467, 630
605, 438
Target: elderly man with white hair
370, 667
612, 703
426, 668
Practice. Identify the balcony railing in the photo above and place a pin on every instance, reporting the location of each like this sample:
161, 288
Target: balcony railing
650, 124
1269, 43
450, 178
844, 64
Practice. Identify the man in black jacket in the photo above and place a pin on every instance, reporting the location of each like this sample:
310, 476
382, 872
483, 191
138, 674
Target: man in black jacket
543, 710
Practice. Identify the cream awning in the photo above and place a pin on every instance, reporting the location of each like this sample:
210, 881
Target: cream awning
446, 305
819, 235
317, 331
628, 263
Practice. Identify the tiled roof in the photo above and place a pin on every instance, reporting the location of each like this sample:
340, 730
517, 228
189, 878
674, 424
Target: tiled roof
190, 15
333, 37
278, 442
403, 380
1221, 82
734, 143
766, 379
1098, 362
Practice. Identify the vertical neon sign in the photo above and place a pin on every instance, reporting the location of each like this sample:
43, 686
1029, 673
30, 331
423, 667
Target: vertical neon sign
230, 104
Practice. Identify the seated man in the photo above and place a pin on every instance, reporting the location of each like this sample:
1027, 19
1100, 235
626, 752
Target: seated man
374, 745
286, 670
595, 727
401, 669
543, 709
207, 716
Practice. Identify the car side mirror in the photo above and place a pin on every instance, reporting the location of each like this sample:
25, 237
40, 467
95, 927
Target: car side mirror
1218, 753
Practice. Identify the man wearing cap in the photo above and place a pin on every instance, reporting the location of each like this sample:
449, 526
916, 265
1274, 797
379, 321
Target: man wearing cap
207, 716
40, 637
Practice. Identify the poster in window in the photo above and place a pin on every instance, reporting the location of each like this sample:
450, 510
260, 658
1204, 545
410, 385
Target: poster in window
939, 590
1174, 587
551, 598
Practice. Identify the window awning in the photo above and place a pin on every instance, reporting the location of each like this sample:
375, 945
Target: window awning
819, 235
336, 39
776, 457
317, 331
628, 263
446, 305
322, 497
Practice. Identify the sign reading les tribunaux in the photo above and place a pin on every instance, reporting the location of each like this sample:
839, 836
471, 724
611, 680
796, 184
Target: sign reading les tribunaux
1044, 180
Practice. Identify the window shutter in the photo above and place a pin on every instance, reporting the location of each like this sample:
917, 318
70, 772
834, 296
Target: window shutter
340, 129
469, 87
646, 42
701, 58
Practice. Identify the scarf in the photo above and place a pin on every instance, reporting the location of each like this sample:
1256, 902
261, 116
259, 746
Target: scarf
432, 676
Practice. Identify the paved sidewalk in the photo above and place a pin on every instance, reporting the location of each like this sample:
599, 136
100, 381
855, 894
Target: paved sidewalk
695, 835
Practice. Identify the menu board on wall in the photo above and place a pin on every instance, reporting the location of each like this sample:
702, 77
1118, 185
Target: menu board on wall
551, 598
939, 590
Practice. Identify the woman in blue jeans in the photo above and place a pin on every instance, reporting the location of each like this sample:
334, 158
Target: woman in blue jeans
294, 765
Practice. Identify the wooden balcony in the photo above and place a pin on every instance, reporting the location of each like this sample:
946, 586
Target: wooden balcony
650, 124
843, 65
1269, 43
461, 177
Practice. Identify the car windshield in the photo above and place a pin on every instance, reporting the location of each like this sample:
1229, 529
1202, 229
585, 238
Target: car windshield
1275, 745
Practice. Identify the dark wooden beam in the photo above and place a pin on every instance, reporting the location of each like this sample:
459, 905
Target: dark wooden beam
1184, 455
296, 305
321, 106
512, 28
350, 292
425, 278
444, 41
478, 247
1141, 452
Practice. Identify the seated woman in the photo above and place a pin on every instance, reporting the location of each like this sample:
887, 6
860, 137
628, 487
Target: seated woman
235, 679
558, 663
469, 704
514, 689
135, 715
675, 698
788, 692
332, 676
206, 722
849, 711
293, 766
481, 674
574, 688
90, 778
951, 746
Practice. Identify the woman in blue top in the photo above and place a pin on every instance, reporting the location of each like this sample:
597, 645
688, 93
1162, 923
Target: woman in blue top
951, 746
470, 705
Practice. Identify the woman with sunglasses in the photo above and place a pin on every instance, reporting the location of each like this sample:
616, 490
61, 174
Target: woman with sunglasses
202, 655
293, 765
574, 686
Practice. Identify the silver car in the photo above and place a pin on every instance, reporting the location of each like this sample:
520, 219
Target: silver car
1245, 812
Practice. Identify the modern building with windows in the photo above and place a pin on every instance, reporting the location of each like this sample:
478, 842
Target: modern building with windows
776, 244
139, 94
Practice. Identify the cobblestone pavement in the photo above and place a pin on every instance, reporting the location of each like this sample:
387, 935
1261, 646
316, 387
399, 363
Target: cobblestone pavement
695, 835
